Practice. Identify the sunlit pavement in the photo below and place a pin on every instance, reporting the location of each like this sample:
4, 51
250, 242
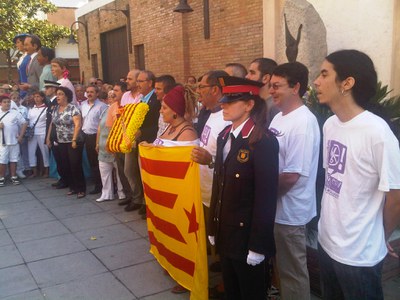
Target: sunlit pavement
54, 246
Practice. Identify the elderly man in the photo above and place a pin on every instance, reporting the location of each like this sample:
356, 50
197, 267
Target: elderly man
148, 133
92, 109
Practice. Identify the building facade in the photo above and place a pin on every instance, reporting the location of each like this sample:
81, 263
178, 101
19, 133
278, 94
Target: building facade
168, 42
224, 31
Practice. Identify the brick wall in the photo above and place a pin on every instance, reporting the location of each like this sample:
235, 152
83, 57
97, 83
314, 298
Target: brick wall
63, 16
174, 43
98, 21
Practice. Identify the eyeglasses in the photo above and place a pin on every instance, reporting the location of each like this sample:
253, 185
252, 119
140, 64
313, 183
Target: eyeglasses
204, 86
276, 86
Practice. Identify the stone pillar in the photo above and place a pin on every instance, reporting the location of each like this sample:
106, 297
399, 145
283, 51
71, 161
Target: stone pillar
395, 80
312, 48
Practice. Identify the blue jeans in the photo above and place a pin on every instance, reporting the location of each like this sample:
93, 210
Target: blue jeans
340, 281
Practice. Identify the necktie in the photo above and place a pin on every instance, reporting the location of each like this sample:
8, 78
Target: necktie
232, 139
29, 65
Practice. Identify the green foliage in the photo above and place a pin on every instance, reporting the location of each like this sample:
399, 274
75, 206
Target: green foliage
391, 105
49, 34
18, 16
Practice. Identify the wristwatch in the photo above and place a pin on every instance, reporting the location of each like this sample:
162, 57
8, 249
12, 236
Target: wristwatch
211, 164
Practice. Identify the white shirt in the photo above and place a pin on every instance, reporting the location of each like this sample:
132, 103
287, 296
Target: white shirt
208, 140
91, 115
128, 99
298, 135
362, 162
228, 143
33, 115
12, 122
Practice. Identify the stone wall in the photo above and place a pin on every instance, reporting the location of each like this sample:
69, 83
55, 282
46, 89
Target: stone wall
174, 43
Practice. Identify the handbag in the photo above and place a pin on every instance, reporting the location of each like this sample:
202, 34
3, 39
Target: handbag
30, 131
80, 139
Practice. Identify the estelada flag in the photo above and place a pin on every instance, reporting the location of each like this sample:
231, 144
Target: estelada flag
175, 218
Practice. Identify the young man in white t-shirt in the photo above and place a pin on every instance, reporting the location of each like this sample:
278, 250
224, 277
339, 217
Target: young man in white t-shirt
11, 136
361, 201
297, 131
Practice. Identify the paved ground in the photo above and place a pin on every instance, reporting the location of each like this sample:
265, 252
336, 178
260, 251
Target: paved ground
54, 246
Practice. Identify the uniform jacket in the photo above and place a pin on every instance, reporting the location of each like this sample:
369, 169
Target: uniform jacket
244, 195
149, 127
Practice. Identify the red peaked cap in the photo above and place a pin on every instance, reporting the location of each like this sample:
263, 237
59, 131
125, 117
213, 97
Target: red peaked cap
235, 88
175, 99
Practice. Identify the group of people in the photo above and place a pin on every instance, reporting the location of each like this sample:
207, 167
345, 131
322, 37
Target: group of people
258, 147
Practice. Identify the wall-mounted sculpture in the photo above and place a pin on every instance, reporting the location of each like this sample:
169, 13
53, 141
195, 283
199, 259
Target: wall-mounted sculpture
292, 44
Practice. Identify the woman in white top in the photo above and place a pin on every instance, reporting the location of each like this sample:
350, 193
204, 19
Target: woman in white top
59, 69
37, 121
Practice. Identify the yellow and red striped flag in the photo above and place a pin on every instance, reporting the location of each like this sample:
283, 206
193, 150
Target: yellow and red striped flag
175, 215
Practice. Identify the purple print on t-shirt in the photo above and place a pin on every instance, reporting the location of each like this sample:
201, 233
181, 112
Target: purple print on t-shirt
205, 135
336, 164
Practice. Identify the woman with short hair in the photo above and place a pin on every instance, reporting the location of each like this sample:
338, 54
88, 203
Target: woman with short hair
67, 119
59, 69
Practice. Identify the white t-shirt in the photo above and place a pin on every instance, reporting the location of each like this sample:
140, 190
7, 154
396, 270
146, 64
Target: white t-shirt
298, 135
208, 140
361, 161
33, 115
12, 122
170, 143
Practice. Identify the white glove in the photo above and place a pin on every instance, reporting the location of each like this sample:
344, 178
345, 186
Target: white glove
254, 258
211, 238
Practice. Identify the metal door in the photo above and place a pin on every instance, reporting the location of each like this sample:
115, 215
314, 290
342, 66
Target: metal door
114, 54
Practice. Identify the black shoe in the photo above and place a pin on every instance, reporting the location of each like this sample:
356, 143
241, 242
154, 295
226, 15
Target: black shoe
216, 267
61, 186
142, 210
214, 293
55, 184
95, 191
132, 206
124, 202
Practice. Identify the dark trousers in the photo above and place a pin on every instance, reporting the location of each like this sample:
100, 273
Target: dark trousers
242, 281
57, 156
93, 158
340, 281
120, 160
71, 164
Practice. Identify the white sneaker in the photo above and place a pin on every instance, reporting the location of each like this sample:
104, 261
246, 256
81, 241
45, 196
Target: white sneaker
2, 181
101, 200
14, 180
20, 175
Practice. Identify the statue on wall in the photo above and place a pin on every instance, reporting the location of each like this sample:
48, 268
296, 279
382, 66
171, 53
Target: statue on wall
300, 19
292, 44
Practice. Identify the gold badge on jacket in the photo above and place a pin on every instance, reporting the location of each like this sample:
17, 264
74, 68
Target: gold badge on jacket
243, 155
